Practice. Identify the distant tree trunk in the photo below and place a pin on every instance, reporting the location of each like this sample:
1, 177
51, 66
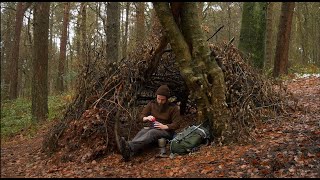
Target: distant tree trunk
140, 25
302, 34
203, 76
269, 33
96, 24
50, 51
83, 30
6, 53
317, 40
14, 58
69, 66
40, 62
113, 31
261, 16
283, 39
247, 28
252, 34
63, 45
27, 63
125, 38
229, 20
78, 37
306, 35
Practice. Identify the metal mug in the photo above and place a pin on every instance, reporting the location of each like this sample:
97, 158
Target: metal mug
162, 145
162, 142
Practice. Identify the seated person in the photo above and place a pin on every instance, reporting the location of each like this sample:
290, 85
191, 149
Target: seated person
164, 115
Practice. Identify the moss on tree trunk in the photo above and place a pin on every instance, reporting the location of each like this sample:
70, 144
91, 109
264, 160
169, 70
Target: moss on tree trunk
202, 74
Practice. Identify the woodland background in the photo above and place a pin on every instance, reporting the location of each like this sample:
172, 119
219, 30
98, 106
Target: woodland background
47, 49
76, 28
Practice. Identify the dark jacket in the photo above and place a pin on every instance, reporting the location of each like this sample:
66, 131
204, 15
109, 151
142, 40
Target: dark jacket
170, 117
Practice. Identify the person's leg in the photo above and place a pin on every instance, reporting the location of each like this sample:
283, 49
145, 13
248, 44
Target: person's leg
125, 148
142, 139
139, 134
147, 137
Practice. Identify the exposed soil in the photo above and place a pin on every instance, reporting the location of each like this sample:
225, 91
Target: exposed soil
284, 147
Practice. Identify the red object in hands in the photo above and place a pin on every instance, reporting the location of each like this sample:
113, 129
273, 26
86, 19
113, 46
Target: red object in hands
153, 122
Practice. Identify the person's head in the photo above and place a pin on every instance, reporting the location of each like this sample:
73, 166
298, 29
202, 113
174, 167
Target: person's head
163, 93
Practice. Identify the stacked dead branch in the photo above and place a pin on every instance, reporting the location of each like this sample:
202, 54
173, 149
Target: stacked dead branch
107, 103
251, 97
110, 104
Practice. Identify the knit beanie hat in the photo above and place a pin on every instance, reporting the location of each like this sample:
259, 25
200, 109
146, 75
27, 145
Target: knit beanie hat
163, 90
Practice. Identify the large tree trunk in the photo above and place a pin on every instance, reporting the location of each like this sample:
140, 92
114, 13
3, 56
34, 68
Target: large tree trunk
282, 50
40, 62
63, 46
202, 74
14, 58
113, 31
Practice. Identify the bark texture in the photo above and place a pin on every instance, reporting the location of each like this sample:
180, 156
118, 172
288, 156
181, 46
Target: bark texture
113, 31
140, 25
63, 47
203, 76
283, 38
14, 57
269, 32
40, 62
252, 34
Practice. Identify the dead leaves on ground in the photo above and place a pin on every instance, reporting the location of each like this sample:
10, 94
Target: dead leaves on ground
287, 147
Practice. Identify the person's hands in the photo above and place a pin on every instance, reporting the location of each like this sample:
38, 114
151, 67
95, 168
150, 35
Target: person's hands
159, 125
148, 118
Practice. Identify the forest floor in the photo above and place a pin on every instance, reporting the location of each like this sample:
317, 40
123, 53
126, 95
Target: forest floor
283, 147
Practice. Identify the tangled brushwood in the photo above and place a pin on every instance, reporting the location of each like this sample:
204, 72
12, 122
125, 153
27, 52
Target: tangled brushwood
251, 97
108, 103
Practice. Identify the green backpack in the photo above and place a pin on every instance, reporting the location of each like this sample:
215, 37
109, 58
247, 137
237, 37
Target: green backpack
189, 139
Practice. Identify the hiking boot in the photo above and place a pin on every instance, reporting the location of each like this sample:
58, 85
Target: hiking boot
125, 149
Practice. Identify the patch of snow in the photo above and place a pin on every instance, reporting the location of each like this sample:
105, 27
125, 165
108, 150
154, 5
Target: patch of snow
305, 75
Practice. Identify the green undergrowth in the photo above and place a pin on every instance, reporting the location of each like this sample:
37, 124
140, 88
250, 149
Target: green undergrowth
16, 115
304, 69
297, 69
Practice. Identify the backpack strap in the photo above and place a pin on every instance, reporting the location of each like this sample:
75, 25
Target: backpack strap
201, 130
